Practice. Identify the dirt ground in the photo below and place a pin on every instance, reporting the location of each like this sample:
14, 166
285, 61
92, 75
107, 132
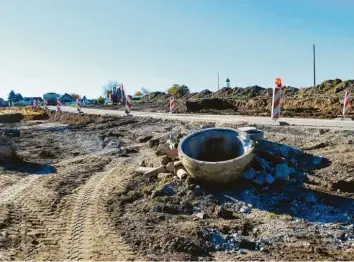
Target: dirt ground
72, 193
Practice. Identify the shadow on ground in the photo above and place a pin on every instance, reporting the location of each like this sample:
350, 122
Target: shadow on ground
18, 165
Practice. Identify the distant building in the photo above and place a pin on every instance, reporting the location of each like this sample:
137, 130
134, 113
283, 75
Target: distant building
29, 100
66, 99
51, 98
2, 102
227, 82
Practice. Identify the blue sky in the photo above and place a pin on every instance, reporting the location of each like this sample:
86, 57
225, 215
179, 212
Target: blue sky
80, 45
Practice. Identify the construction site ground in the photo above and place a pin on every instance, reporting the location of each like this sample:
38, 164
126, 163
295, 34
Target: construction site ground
72, 193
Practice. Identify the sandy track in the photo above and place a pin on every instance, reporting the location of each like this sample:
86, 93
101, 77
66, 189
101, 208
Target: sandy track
12, 191
89, 234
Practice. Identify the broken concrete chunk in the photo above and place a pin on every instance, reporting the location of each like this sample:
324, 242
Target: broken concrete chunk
270, 179
172, 153
282, 172
155, 171
170, 167
224, 213
260, 178
250, 174
162, 150
178, 163
143, 170
270, 157
181, 173
200, 215
264, 164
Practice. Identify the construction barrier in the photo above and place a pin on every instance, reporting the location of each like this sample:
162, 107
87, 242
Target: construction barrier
46, 105
172, 104
128, 104
78, 105
346, 104
276, 99
58, 106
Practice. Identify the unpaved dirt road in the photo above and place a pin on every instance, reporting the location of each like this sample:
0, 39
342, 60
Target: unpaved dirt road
73, 195
305, 122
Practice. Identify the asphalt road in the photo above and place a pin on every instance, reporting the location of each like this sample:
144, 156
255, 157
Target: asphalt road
305, 122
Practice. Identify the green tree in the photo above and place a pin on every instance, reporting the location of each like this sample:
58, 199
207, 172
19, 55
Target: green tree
178, 90
100, 100
107, 89
12, 96
18, 97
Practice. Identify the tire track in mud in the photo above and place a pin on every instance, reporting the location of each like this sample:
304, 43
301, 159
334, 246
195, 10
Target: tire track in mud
89, 234
42, 226
12, 191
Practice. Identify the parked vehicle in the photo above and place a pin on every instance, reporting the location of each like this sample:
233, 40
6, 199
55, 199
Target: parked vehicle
51, 98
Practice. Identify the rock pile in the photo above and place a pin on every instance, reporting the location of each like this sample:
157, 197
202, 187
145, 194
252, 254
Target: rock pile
275, 161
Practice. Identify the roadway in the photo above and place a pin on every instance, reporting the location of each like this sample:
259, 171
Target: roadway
304, 122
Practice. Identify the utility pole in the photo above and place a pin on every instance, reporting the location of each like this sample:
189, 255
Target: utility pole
218, 82
314, 66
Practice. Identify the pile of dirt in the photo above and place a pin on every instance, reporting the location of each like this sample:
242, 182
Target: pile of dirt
17, 114
77, 119
322, 101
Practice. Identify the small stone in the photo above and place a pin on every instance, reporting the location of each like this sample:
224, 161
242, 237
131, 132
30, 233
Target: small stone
224, 213
242, 251
200, 215
236, 236
142, 163
250, 205
170, 167
338, 191
244, 210
270, 179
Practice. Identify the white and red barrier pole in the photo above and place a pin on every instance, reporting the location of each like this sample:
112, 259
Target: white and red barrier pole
78, 105
346, 104
128, 104
276, 99
58, 106
45, 102
172, 104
